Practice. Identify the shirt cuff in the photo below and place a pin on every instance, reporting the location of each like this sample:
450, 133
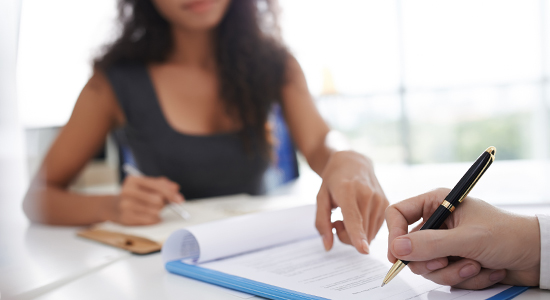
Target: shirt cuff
544, 223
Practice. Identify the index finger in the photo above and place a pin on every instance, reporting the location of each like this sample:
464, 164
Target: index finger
400, 215
322, 220
353, 221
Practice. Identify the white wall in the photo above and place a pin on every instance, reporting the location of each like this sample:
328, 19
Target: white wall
11, 142
13, 176
57, 42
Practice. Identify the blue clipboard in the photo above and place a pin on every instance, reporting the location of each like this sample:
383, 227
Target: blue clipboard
270, 291
509, 293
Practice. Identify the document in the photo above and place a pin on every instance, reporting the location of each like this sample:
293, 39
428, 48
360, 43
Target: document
204, 210
342, 273
279, 255
229, 237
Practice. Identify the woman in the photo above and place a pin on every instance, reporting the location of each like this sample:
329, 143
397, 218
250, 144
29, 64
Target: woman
191, 83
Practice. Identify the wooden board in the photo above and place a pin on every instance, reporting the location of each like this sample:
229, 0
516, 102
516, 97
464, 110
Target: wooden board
132, 243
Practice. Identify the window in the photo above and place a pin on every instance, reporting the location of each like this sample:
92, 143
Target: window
427, 81
57, 42
413, 84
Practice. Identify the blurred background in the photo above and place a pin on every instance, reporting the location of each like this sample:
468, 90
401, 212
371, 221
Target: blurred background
420, 86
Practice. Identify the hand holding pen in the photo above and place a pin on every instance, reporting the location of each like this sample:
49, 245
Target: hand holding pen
142, 198
482, 245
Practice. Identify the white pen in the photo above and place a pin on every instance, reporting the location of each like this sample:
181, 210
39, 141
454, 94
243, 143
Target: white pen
177, 208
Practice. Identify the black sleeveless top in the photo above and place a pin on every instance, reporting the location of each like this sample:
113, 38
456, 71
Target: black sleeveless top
203, 165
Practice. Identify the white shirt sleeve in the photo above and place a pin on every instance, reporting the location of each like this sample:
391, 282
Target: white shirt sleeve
544, 223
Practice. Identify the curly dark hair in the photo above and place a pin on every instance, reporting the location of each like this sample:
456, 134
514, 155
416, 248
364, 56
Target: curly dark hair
250, 57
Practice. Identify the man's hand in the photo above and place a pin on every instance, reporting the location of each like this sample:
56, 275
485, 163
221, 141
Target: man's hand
482, 245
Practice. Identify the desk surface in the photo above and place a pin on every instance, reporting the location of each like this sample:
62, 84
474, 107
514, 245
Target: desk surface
36, 258
45, 262
144, 277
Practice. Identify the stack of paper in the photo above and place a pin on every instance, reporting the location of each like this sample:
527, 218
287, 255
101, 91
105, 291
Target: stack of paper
279, 255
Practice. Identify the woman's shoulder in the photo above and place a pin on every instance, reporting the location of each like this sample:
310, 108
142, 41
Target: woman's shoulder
98, 90
292, 65
98, 86
126, 82
293, 70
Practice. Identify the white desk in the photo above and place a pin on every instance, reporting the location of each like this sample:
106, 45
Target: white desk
144, 277
36, 258
44, 262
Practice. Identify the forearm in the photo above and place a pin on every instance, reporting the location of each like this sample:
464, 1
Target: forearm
333, 141
318, 159
57, 206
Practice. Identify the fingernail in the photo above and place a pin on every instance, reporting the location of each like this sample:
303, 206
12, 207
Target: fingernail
434, 265
179, 198
325, 242
402, 246
467, 271
497, 275
366, 246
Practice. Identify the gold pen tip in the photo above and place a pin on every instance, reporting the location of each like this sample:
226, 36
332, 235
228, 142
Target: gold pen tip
395, 269
383, 284
492, 150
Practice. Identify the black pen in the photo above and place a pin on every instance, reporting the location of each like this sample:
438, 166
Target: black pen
453, 199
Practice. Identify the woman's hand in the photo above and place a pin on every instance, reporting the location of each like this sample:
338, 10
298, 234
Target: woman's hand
349, 183
142, 198
482, 245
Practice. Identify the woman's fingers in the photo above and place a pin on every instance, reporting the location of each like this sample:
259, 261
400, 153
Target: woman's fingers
365, 199
349, 182
363, 212
341, 232
376, 221
169, 190
376, 215
322, 219
142, 199
353, 220
129, 205
145, 198
363, 216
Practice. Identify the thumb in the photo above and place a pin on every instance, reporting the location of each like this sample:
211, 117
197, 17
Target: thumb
430, 244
